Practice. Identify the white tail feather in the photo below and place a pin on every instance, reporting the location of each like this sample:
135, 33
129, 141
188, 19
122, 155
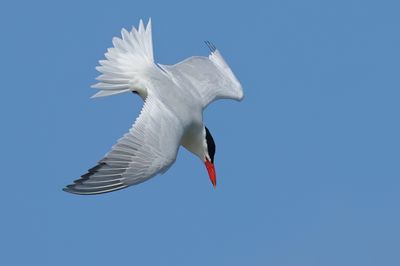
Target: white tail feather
126, 62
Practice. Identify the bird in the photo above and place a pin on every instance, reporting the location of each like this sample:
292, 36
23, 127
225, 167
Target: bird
174, 96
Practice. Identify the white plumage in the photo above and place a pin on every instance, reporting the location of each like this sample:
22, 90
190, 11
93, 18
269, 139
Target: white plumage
175, 97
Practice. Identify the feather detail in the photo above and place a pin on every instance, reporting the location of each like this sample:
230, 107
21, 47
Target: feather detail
126, 63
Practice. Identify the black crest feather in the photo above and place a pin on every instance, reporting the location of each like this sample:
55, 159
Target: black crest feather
210, 145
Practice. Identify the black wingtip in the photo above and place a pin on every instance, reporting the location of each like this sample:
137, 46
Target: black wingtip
211, 46
71, 191
68, 189
88, 191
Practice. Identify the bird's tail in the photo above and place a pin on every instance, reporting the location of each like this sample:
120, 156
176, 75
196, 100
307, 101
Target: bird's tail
126, 62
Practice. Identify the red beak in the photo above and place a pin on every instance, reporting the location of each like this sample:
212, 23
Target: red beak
211, 172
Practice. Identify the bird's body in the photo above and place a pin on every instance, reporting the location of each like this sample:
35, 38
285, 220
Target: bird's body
175, 97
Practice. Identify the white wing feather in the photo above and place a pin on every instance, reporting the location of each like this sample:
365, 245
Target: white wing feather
127, 63
210, 77
149, 148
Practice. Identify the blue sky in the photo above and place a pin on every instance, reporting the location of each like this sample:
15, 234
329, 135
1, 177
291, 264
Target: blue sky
307, 165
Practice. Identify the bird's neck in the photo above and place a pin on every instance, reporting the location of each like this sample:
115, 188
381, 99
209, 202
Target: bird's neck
194, 140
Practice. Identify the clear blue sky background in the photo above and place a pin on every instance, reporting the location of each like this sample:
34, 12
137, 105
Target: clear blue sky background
308, 164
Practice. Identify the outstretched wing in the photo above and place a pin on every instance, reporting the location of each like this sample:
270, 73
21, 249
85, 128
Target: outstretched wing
149, 148
129, 64
210, 77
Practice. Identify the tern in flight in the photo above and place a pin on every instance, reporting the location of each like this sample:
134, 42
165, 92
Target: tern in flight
174, 99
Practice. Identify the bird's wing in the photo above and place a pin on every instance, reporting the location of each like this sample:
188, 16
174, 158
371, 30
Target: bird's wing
210, 77
129, 64
149, 148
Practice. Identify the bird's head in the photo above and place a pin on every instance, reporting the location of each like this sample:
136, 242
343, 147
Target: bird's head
209, 153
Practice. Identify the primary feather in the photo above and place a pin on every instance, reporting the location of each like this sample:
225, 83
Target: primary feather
127, 62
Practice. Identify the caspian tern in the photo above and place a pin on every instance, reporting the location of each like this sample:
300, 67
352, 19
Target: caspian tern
174, 99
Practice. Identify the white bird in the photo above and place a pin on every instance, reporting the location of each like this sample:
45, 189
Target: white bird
174, 99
